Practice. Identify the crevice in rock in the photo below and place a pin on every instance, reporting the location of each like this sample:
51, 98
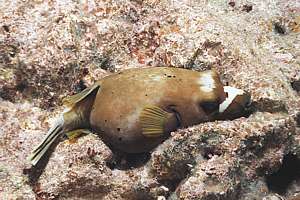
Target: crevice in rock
123, 161
170, 173
269, 105
298, 119
296, 85
138, 193
289, 172
209, 152
209, 145
279, 28
79, 86
255, 146
174, 166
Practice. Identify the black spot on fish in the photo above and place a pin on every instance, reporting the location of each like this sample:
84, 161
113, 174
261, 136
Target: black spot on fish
170, 76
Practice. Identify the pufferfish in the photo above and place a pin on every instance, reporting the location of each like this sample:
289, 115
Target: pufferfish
135, 110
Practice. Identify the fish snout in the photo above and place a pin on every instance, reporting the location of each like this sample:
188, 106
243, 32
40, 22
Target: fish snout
238, 103
247, 101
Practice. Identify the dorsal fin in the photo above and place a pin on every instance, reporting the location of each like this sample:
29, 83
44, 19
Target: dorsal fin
72, 100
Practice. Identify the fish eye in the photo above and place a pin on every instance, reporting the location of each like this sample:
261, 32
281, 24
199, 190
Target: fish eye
209, 107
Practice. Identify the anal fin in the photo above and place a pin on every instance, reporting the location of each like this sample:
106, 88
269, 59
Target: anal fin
75, 134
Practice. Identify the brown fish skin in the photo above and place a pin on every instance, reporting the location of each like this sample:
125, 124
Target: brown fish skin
122, 97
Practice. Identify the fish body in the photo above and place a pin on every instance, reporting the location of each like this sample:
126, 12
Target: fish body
123, 98
135, 110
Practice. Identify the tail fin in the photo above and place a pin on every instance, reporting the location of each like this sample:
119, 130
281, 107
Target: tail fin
53, 135
75, 117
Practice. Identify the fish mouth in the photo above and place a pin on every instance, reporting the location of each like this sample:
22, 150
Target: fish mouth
248, 102
246, 109
248, 106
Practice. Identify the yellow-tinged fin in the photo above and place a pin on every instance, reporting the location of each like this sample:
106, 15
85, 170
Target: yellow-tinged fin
75, 134
152, 120
72, 100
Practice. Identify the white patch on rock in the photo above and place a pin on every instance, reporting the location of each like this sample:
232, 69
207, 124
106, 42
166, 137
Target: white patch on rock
206, 82
232, 93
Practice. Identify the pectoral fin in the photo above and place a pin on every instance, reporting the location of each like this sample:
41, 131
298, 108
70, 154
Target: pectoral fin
72, 100
152, 120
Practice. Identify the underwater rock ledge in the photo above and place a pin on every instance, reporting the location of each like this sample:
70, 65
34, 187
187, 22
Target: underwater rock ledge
51, 49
